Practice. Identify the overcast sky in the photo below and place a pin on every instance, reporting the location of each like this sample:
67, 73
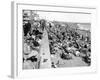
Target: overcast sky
66, 17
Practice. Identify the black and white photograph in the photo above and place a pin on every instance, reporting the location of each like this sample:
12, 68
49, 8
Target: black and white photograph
55, 39
51, 40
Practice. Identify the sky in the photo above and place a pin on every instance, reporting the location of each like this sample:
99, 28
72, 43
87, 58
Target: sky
65, 17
